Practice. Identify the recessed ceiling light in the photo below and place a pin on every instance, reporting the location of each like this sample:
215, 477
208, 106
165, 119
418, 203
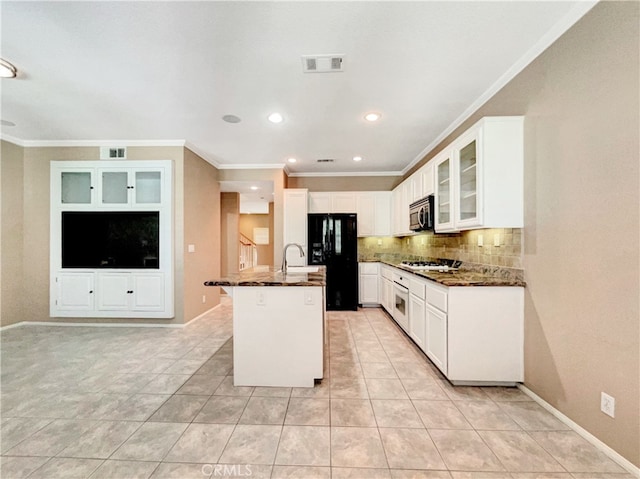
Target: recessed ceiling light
292, 160
275, 118
254, 188
372, 116
357, 158
7, 70
231, 119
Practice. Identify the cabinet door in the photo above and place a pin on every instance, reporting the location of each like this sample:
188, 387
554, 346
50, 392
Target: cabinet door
147, 187
319, 202
417, 321
416, 187
396, 199
382, 215
75, 292
148, 292
444, 208
428, 186
343, 202
295, 223
76, 186
467, 194
436, 339
406, 202
390, 296
366, 211
114, 291
114, 186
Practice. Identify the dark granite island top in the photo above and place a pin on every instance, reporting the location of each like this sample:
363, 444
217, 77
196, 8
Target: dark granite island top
269, 276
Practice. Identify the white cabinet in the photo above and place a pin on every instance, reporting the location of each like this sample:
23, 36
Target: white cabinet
416, 187
479, 177
115, 186
319, 202
295, 224
417, 318
374, 213
368, 284
343, 202
435, 346
428, 184
111, 233
386, 288
401, 196
74, 292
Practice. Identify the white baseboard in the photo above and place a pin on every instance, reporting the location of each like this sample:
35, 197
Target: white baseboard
107, 325
613, 455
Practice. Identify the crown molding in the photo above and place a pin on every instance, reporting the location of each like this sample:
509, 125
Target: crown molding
203, 155
348, 173
253, 166
11, 139
555, 32
85, 143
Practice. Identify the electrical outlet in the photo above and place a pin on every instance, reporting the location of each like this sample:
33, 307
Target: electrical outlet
308, 298
260, 298
480, 240
496, 239
407, 241
422, 241
204, 298
379, 242
608, 404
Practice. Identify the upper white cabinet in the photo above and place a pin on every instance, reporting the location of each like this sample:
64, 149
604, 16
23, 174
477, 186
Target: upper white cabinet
373, 208
118, 185
295, 223
111, 239
426, 172
479, 177
401, 197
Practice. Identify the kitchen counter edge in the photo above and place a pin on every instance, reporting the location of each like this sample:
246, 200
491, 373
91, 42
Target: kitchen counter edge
270, 277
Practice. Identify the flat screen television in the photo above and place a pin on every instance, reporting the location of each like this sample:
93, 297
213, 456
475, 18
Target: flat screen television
126, 240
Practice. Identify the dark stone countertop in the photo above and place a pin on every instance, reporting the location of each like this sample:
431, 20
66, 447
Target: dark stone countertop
467, 275
269, 276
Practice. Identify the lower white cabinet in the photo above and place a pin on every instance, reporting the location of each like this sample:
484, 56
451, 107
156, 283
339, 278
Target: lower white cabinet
368, 284
110, 294
436, 337
417, 321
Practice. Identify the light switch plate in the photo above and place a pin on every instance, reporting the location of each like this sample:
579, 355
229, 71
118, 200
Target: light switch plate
480, 240
191, 248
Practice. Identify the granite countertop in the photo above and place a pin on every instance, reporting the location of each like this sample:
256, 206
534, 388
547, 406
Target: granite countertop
467, 275
269, 276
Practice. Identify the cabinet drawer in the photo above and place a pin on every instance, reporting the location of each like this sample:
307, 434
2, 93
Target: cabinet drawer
417, 287
368, 268
437, 297
386, 273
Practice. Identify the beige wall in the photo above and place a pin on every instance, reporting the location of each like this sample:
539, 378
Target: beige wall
248, 222
581, 103
229, 229
344, 183
202, 229
11, 234
36, 225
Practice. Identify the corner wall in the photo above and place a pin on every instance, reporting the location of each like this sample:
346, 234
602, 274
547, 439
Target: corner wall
11, 234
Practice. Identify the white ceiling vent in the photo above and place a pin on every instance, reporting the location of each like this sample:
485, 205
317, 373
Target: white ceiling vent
325, 160
109, 153
322, 63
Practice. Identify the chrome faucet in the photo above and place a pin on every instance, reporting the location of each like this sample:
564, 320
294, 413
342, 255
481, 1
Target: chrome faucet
284, 255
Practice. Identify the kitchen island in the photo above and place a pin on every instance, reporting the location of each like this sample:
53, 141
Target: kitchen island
278, 326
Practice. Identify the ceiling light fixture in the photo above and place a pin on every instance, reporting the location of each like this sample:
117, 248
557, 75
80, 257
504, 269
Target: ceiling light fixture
372, 116
292, 160
254, 188
7, 70
275, 118
231, 119
357, 158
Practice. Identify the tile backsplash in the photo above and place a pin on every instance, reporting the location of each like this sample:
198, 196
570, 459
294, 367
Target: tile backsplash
461, 246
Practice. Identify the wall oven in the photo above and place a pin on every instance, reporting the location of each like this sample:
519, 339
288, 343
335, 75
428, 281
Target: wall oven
401, 300
421, 214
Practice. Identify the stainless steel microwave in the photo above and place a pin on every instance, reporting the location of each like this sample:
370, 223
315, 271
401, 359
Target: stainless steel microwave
421, 214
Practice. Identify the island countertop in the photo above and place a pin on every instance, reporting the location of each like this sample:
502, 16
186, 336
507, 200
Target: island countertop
269, 276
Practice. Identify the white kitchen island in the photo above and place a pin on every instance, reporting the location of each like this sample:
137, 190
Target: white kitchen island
278, 326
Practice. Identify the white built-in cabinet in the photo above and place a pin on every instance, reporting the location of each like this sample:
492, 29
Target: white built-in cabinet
479, 177
386, 288
373, 208
295, 224
401, 198
368, 284
417, 320
94, 188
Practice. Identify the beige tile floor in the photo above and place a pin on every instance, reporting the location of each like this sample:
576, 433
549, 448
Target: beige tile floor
148, 402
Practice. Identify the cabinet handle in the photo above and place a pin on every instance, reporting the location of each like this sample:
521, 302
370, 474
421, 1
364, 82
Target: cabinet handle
91, 187
129, 187
129, 292
90, 291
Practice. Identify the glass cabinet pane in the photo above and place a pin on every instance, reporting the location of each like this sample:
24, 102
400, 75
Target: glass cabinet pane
115, 188
76, 187
444, 192
148, 185
468, 182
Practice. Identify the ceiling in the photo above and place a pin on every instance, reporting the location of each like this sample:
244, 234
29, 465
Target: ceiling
154, 72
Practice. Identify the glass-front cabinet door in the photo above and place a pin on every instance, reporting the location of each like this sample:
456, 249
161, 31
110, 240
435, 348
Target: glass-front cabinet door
147, 187
134, 187
444, 192
76, 187
114, 187
468, 180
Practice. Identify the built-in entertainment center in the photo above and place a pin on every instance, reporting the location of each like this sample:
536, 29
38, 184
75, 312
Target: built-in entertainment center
111, 239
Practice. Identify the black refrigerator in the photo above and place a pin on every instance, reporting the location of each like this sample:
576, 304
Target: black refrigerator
333, 242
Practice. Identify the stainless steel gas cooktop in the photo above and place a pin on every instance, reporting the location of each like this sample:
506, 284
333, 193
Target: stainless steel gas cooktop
430, 266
